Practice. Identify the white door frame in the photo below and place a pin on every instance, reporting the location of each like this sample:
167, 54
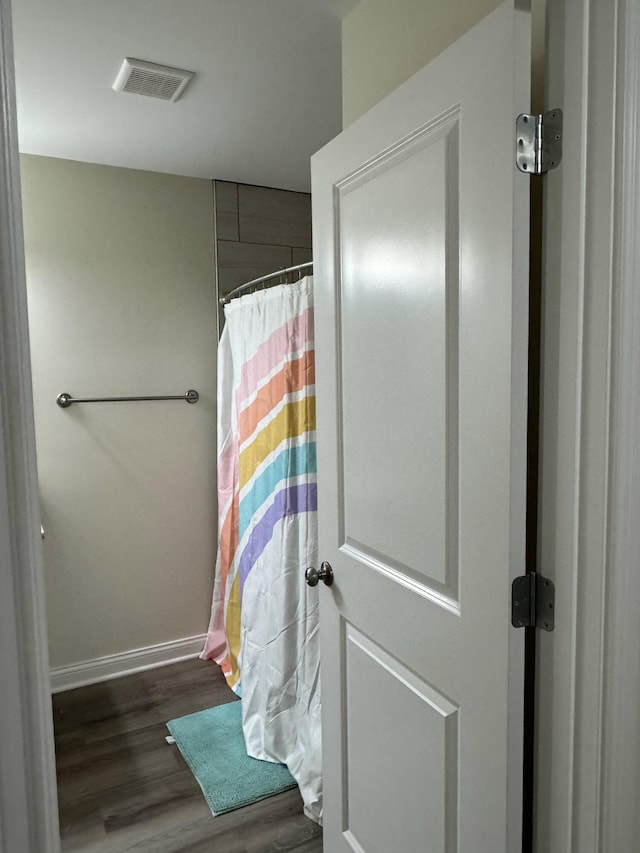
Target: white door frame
589, 720
28, 800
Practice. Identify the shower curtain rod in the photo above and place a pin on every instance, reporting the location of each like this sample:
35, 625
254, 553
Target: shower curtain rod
238, 290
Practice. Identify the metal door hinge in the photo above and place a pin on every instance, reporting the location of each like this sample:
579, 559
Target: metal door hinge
533, 601
539, 142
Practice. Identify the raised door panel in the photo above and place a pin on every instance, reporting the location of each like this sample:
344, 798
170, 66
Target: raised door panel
397, 293
413, 779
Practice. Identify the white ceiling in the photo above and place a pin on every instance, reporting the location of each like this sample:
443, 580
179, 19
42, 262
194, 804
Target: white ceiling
266, 95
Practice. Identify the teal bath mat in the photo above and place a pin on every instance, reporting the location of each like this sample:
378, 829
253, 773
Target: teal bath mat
213, 746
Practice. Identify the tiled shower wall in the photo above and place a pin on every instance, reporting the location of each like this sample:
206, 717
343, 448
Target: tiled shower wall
259, 230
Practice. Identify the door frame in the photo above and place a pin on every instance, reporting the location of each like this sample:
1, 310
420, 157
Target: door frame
588, 681
28, 795
589, 759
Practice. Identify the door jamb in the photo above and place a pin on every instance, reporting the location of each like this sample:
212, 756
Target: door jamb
588, 719
28, 795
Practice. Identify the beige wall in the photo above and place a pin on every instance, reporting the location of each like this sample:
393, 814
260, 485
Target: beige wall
384, 42
121, 302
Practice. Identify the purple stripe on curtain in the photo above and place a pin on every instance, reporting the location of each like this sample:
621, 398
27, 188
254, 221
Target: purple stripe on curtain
291, 501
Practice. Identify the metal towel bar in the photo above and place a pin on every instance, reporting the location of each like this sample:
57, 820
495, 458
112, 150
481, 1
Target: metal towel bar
65, 400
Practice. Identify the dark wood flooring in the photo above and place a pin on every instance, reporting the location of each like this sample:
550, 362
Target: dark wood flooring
121, 787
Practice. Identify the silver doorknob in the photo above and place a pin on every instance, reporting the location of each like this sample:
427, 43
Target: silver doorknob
325, 575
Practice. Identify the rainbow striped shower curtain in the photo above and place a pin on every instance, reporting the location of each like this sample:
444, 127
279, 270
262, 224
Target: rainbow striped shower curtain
264, 618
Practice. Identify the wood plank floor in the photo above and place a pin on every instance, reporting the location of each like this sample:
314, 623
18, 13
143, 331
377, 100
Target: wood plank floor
121, 787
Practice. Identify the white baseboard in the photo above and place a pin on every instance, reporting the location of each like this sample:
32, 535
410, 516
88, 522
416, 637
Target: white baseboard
124, 663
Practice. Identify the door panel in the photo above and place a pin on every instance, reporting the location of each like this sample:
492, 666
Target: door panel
422, 773
421, 273
398, 314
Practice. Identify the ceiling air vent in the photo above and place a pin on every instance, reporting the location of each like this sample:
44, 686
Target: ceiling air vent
152, 80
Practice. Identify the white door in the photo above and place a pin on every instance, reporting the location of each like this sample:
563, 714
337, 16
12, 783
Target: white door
421, 271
